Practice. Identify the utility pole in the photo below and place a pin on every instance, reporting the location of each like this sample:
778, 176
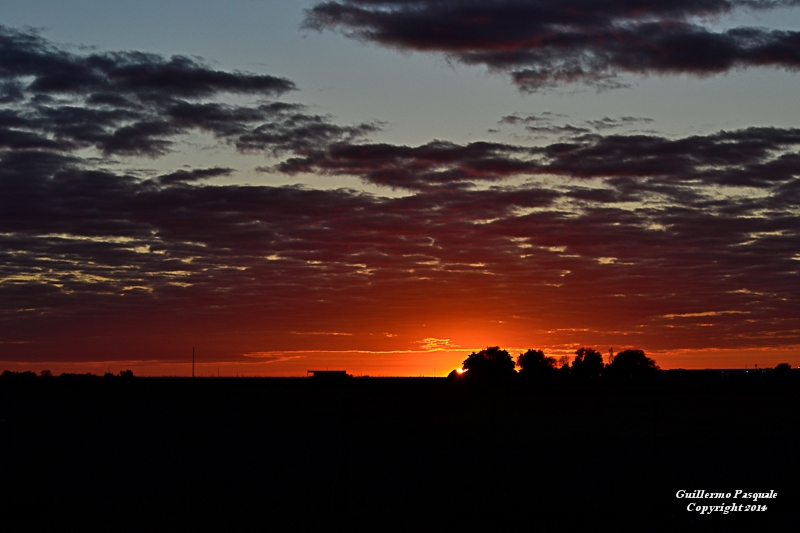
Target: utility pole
192, 361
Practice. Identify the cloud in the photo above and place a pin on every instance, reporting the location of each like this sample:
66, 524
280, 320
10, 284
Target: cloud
323, 333
116, 76
193, 175
597, 232
546, 43
545, 125
631, 163
437, 162
608, 123
432, 344
137, 104
76, 242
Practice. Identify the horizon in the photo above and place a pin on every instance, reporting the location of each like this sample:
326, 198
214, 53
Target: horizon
227, 370
382, 187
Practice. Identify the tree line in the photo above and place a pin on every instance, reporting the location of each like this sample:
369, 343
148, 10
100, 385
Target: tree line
28, 375
493, 363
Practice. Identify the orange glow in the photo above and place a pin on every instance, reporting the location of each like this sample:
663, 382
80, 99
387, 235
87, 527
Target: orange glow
379, 363
435, 353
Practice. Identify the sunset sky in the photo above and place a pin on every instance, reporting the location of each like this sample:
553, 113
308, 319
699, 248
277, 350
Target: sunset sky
385, 186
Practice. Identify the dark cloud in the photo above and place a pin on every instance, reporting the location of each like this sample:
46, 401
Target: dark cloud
608, 123
54, 71
540, 125
10, 92
563, 130
546, 124
544, 43
753, 157
131, 103
301, 133
81, 243
750, 157
186, 176
639, 233
435, 163
531, 118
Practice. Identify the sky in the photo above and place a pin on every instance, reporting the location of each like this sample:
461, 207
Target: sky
384, 186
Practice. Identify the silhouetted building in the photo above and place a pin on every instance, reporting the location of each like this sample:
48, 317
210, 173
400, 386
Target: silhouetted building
328, 374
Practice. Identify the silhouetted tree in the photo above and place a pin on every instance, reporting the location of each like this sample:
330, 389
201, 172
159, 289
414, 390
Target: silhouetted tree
535, 363
45, 374
18, 376
563, 364
631, 363
489, 364
783, 368
587, 362
126, 374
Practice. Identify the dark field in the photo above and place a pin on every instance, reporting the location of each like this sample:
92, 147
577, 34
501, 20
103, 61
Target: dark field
393, 454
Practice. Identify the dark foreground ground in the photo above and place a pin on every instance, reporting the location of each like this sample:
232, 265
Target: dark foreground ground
393, 454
